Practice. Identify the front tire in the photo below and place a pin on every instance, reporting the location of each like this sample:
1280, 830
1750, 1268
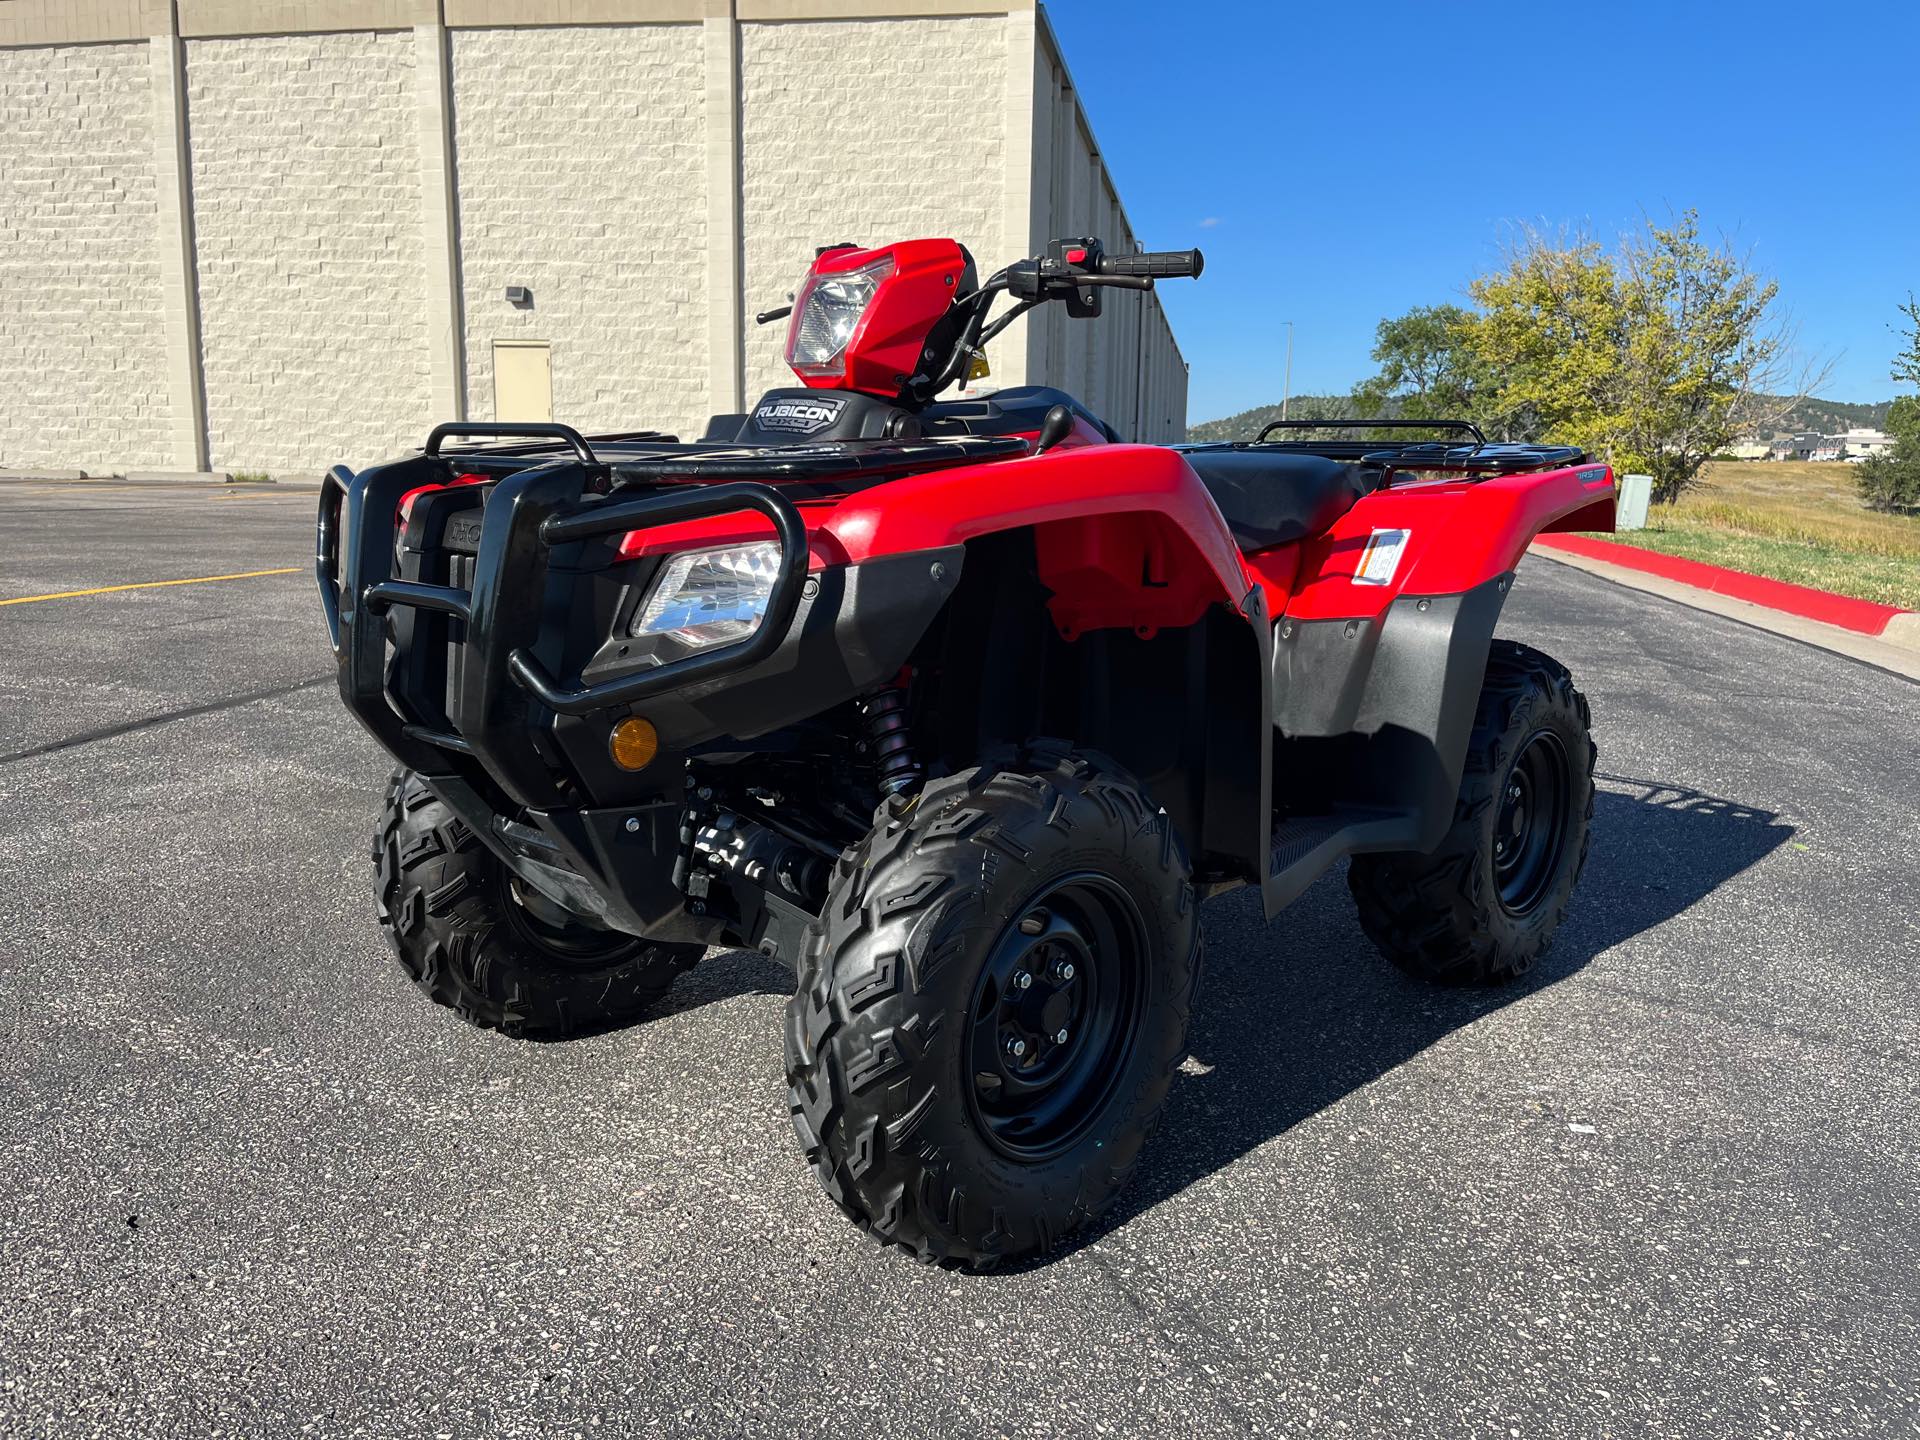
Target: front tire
499, 957
1484, 905
992, 1006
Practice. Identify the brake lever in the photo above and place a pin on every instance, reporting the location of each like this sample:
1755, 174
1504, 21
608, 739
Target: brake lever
767, 317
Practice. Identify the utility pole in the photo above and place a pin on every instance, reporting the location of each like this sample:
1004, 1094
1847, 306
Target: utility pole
1286, 390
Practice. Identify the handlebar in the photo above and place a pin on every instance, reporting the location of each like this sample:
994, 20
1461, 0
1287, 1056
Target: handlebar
1071, 270
1155, 265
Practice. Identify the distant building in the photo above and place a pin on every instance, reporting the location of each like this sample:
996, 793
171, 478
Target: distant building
1749, 449
1863, 442
1854, 444
1797, 447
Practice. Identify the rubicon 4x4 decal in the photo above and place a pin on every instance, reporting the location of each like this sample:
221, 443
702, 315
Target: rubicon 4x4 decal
800, 417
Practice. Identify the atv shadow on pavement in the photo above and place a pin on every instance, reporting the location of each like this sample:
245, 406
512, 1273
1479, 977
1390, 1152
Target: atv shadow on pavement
723, 975
1293, 1018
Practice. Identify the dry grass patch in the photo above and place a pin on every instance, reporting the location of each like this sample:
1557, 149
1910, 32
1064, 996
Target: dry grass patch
1792, 521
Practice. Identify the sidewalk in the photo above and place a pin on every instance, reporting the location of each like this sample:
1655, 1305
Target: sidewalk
1878, 635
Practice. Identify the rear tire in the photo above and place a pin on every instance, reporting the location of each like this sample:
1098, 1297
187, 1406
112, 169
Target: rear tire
1484, 905
500, 959
922, 1120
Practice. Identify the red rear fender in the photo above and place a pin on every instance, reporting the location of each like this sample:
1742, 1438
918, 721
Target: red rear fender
1440, 537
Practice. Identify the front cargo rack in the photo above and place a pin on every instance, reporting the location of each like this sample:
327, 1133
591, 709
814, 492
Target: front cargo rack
1474, 454
651, 458
555, 492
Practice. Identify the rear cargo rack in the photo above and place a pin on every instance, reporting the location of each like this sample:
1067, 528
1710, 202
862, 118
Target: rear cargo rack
1463, 427
1480, 457
1477, 459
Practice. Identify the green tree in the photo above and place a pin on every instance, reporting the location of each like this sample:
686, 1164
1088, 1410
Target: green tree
1906, 365
1903, 419
1550, 333
1699, 342
1428, 368
1892, 481
1648, 355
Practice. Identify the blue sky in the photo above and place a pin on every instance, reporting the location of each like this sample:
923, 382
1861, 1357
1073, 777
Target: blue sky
1343, 162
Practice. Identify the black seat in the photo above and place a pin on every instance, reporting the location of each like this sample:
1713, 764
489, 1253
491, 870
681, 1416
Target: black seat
1274, 497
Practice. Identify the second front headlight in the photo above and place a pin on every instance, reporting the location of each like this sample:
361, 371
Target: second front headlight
710, 597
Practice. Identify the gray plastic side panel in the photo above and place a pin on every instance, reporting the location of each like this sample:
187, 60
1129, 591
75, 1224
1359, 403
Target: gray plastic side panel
1411, 685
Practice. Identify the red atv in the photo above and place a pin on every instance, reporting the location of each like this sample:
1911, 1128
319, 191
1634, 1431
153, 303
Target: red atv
961, 707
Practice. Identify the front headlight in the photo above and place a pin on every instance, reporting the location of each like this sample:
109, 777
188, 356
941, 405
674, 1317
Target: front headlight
826, 315
710, 597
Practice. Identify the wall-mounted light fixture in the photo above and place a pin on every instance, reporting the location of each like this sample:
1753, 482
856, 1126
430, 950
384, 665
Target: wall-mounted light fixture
520, 297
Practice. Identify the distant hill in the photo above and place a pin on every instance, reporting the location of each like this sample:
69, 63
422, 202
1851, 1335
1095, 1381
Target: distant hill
1829, 417
1826, 416
1247, 423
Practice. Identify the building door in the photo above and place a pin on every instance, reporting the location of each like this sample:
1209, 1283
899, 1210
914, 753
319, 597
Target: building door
522, 380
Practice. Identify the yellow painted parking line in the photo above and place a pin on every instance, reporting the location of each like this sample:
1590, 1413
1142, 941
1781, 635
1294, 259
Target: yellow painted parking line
149, 585
68, 489
90, 487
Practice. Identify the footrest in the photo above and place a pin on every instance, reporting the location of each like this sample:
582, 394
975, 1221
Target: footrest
1303, 846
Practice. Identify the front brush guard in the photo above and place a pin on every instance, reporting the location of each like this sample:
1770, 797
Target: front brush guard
535, 520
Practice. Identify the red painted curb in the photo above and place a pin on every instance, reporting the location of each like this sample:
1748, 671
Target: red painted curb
1863, 617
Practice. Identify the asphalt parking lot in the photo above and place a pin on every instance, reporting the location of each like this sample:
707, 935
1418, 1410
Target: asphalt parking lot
251, 1183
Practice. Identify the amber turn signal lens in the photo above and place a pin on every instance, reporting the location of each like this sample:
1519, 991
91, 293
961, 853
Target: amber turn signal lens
634, 743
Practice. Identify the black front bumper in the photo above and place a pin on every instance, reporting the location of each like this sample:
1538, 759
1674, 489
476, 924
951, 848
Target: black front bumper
501, 692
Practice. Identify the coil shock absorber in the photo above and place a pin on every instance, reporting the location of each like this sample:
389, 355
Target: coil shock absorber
892, 747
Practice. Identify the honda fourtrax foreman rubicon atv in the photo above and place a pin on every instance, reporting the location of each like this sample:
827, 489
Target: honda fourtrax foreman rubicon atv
961, 708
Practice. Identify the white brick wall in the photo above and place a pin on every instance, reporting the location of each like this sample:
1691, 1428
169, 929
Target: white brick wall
869, 131
306, 187
594, 165
82, 349
582, 173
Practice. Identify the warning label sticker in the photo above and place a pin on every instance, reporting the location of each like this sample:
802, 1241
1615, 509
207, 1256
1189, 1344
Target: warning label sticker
1381, 558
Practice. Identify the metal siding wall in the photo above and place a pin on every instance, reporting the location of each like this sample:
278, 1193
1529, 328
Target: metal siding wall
1125, 366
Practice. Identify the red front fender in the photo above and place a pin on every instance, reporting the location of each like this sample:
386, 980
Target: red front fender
1124, 535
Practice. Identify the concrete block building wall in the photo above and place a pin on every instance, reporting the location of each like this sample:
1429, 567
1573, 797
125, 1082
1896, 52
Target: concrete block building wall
273, 236
312, 279
868, 131
83, 378
582, 178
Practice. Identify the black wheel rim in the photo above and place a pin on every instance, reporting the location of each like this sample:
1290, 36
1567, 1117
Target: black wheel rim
1530, 829
556, 934
1056, 1016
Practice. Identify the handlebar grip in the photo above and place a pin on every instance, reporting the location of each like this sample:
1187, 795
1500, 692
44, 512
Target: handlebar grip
1156, 264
